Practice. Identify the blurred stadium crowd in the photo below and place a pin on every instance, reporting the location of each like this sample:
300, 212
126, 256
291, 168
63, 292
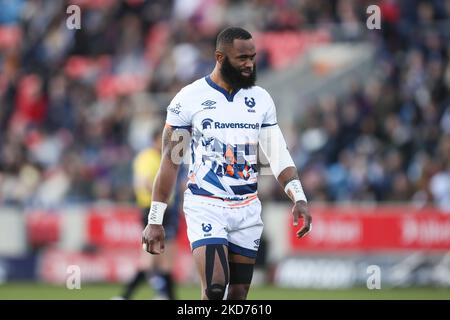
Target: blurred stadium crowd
76, 105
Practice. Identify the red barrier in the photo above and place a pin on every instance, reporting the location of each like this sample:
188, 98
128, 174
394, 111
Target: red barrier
369, 229
114, 227
43, 227
105, 265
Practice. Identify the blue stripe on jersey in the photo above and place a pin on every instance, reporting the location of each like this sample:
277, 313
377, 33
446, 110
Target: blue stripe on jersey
211, 177
198, 191
267, 125
242, 251
204, 242
180, 127
229, 96
245, 189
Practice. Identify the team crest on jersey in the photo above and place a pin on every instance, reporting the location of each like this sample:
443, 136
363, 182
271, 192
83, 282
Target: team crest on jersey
206, 123
250, 102
206, 228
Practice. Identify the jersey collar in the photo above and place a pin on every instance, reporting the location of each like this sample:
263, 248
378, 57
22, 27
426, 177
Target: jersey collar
229, 96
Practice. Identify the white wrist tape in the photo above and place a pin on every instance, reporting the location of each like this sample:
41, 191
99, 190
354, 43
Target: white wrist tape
294, 190
156, 213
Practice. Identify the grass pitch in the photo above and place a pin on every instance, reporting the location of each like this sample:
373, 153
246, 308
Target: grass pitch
42, 291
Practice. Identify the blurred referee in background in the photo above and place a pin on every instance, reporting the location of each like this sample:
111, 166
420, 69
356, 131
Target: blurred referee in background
156, 269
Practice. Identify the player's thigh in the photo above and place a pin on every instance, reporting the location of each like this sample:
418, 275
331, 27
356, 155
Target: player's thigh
212, 264
241, 269
241, 266
243, 245
241, 273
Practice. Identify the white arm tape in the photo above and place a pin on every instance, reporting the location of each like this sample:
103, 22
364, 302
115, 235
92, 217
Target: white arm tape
294, 190
156, 213
274, 147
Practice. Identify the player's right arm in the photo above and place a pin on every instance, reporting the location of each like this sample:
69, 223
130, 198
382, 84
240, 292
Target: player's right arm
167, 174
174, 142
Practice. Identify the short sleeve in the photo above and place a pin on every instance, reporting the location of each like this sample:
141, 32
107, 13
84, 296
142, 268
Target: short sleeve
178, 115
270, 118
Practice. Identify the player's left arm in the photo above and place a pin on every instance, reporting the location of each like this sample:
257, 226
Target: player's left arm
274, 147
290, 181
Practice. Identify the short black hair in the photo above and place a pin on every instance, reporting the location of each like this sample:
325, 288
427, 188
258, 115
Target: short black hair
227, 36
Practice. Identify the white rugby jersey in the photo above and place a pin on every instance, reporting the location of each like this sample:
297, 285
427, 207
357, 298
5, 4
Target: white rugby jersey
224, 136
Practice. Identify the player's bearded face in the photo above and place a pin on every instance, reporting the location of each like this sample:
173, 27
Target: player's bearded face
234, 75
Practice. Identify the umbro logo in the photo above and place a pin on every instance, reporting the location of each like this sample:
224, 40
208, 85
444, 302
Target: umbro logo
208, 104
